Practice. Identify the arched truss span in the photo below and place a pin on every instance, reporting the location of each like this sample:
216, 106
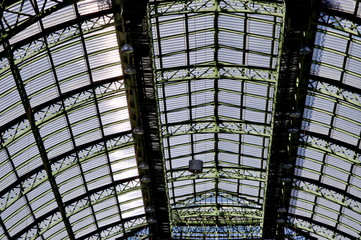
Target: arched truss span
68, 164
326, 182
265, 93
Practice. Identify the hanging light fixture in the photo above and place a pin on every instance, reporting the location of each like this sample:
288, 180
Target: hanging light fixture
127, 48
305, 50
150, 209
282, 210
144, 165
287, 165
295, 114
130, 70
152, 220
286, 180
138, 130
195, 166
280, 220
293, 130
145, 179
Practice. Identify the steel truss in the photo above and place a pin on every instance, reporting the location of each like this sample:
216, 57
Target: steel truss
216, 125
327, 195
293, 71
214, 232
47, 166
143, 113
318, 228
277, 136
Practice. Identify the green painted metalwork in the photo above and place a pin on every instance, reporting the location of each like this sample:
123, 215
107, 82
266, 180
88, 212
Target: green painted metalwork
265, 93
72, 113
202, 85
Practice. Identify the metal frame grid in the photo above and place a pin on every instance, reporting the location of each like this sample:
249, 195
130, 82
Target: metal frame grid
220, 85
326, 188
68, 167
215, 74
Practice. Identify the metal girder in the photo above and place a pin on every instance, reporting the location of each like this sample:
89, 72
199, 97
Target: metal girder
37, 176
176, 7
334, 146
121, 228
114, 228
21, 44
42, 111
218, 173
335, 89
330, 192
98, 194
133, 232
38, 139
220, 231
220, 126
7, 33
142, 107
202, 219
343, 21
318, 228
294, 66
200, 214
4, 228
20, 190
217, 71
292, 232
235, 206
206, 71
231, 196
35, 117
2, 224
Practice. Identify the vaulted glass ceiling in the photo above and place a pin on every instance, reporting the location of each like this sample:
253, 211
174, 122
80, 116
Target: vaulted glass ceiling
215, 74
68, 167
325, 199
211, 79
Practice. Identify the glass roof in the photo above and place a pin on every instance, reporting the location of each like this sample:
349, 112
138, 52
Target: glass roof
215, 74
325, 199
72, 166
67, 155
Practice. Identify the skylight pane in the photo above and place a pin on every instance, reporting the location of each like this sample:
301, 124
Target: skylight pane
218, 101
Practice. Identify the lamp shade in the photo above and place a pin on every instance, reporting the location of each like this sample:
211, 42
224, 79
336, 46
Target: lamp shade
144, 165
127, 48
195, 166
295, 114
152, 220
145, 179
130, 70
138, 130
150, 209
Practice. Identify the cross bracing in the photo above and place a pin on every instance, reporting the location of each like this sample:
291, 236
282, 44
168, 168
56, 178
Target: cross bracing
95, 141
